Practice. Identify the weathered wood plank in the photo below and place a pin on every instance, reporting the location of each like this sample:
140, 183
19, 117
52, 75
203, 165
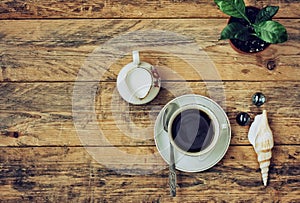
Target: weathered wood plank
28, 110
64, 174
130, 9
56, 50
116, 115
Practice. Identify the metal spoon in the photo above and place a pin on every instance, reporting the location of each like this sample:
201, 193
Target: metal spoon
172, 167
172, 173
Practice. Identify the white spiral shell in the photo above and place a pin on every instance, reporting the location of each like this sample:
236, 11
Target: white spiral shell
261, 137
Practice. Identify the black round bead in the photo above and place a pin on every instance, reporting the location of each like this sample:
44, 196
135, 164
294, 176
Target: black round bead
243, 119
258, 99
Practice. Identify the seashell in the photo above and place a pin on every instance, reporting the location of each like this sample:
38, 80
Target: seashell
261, 137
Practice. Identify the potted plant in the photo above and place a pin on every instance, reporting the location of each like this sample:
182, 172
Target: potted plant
250, 29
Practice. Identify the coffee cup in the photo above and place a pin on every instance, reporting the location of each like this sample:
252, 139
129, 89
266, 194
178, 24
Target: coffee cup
193, 129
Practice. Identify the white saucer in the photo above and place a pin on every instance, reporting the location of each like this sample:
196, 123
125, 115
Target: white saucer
129, 89
194, 163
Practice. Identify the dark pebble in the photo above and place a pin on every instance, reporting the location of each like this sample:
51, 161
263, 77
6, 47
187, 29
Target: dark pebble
258, 99
243, 119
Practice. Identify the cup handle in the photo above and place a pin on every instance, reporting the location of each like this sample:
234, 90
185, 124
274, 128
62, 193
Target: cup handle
136, 57
171, 108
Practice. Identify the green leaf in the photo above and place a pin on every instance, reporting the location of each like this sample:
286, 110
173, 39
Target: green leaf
271, 32
235, 30
266, 13
235, 8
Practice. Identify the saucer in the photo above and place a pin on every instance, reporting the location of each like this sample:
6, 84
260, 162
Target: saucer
186, 162
142, 90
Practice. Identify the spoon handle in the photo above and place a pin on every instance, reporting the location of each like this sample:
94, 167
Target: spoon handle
172, 173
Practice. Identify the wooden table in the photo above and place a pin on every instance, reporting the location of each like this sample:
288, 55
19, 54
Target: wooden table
45, 49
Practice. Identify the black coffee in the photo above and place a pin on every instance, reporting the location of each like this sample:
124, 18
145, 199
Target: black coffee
192, 130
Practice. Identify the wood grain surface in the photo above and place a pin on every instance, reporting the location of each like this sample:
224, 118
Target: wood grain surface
70, 174
130, 9
28, 109
60, 60
55, 50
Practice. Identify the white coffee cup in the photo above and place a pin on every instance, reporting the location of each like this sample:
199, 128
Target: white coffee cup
192, 129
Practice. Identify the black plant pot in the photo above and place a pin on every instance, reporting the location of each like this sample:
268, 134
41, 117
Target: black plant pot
254, 44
